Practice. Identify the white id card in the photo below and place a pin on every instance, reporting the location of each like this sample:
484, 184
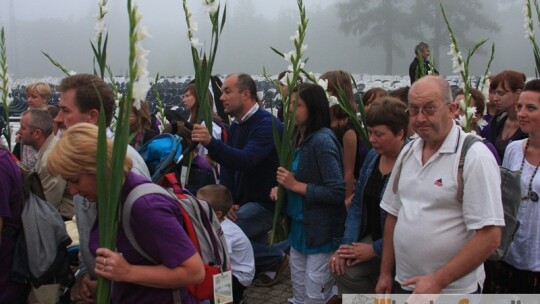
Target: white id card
223, 288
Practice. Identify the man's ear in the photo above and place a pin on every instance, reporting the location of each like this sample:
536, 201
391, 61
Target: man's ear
93, 116
219, 214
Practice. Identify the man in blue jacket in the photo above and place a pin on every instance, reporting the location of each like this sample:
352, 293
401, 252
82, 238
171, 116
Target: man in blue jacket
248, 169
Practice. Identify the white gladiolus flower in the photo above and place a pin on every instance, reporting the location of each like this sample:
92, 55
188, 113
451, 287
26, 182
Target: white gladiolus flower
211, 7
471, 111
290, 68
481, 123
136, 102
100, 27
462, 120
295, 37
323, 83
302, 64
289, 77
332, 101
527, 22
303, 48
142, 85
9, 100
71, 73
195, 42
142, 33
140, 89
462, 104
138, 15
194, 26
260, 95
485, 89
288, 56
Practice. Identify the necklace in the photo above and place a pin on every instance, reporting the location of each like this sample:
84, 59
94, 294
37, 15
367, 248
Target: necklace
532, 195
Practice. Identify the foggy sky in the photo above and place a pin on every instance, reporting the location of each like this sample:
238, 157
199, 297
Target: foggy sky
64, 29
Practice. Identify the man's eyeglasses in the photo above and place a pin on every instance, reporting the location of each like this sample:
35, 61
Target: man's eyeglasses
428, 110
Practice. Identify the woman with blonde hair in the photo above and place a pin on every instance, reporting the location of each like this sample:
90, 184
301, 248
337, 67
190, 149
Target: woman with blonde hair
155, 222
38, 95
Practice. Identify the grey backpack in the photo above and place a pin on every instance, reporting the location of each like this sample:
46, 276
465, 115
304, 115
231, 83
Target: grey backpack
201, 226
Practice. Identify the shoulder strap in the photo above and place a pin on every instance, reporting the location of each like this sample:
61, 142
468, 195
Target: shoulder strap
399, 168
135, 194
468, 141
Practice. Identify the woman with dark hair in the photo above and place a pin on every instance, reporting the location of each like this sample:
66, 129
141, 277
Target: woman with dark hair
504, 127
521, 267
344, 129
371, 95
356, 264
315, 195
204, 171
140, 124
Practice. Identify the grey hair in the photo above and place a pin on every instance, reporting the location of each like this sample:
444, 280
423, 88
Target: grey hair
420, 47
40, 119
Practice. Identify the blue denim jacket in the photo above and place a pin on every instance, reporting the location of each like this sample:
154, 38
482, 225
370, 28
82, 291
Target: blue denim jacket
355, 224
320, 166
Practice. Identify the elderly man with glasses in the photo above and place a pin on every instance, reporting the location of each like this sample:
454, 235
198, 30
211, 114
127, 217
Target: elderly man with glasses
437, 243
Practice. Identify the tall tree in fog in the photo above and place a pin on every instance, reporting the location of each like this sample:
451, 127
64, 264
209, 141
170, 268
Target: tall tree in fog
464, 16
379, 23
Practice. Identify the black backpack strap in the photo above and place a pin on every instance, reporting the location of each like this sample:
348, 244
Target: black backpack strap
468, 141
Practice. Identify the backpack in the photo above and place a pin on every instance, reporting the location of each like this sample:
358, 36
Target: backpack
510, 194
161, 154
41, 250
201, 226
511, 198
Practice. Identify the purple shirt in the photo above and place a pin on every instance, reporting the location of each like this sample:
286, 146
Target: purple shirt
10, 211
156, 222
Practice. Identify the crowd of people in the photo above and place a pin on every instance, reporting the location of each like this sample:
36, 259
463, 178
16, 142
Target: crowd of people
388, 219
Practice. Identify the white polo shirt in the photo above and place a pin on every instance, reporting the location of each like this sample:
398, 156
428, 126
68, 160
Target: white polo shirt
240, 252
432, 226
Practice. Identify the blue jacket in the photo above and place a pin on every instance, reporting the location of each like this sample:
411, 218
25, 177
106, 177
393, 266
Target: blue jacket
355, 224
321, 167
249, 159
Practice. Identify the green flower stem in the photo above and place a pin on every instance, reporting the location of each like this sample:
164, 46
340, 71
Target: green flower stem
110, 183
4, 88
464, 71
532, 37
57, 64
203, 63
160, 107
284, 143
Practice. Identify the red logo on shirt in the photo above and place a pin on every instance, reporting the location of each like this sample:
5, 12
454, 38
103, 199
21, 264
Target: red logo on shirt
438, 182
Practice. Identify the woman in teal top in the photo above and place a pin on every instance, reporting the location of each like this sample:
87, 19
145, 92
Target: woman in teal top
315, 196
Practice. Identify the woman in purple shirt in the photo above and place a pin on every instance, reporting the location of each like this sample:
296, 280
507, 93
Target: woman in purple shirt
155, 219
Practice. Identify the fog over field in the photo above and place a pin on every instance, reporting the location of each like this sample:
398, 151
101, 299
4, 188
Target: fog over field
65, 28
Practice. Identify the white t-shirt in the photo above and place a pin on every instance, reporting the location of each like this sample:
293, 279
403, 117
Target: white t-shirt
525, 249
432, 226
240, 252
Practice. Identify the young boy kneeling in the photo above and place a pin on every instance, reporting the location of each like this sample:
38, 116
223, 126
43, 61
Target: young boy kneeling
239, 246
